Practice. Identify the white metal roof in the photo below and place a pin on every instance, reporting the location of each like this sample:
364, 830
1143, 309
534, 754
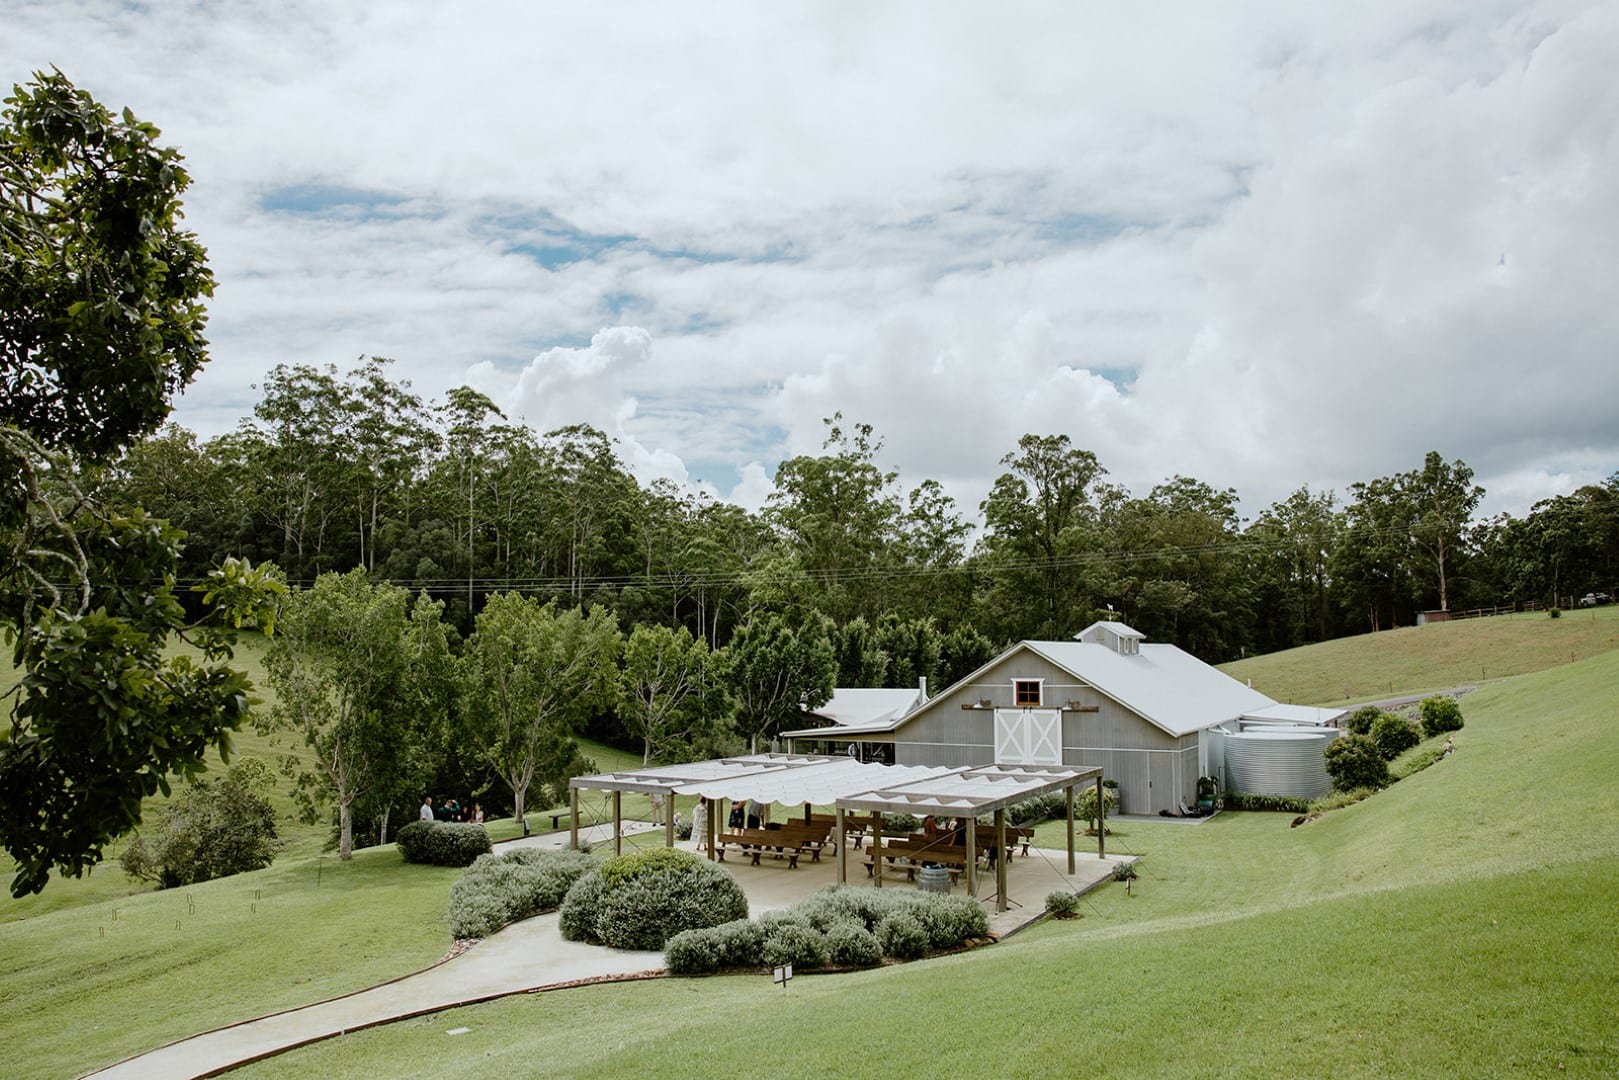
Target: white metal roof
859, 706
1278, 713
1170, 688
794, 779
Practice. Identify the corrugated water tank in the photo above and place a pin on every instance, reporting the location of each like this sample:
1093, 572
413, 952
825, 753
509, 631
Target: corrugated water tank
1289, 761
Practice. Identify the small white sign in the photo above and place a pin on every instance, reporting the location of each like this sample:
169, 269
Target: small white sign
782, 974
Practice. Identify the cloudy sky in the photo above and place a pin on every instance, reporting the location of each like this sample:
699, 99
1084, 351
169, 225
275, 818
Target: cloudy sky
1262, 244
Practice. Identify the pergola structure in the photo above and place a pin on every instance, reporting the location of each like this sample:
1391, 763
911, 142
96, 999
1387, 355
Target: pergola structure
853, 788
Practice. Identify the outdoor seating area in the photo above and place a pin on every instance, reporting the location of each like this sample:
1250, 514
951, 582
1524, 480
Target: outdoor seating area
862, 794
780, 841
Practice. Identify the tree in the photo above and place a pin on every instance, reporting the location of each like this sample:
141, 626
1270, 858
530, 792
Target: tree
101, 291
211, 830
1354, 761
1441, 498
1040, 532
774, 673
101, 316
338, 666
665, 683
531, 674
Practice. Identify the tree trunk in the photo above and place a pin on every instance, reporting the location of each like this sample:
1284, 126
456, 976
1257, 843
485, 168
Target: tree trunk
345, 829
382, 834
517, 801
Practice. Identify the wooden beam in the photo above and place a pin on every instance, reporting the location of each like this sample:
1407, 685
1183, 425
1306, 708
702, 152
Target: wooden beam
573, 818
1000, 859
618, 818
669, 819
842, 849
1069, 792
1101, 821
972, 857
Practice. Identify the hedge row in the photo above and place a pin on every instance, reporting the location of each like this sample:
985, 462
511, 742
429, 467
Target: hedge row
1239, 800
442, 843
838, 926
501, 889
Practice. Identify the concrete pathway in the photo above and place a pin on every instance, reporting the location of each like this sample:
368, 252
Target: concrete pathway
531, 955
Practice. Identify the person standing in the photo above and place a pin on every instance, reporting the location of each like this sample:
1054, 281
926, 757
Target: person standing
426, 813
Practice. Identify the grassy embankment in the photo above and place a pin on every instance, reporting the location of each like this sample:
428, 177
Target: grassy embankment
1456, 924
1450, 924
1416, 659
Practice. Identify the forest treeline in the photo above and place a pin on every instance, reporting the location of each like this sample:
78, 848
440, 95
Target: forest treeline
339, 469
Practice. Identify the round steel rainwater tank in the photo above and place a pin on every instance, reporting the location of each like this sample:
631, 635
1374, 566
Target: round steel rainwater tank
1289, 762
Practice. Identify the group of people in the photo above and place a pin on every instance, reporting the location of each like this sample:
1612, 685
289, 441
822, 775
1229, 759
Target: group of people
450, 810
755, 813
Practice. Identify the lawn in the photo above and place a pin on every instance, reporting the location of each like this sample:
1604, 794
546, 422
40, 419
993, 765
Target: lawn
1438, 656
1456, 923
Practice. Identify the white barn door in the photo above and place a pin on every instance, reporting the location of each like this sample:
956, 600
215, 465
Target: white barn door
1028, 737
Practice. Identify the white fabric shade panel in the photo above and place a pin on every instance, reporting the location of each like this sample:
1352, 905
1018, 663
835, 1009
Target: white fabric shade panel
823, 783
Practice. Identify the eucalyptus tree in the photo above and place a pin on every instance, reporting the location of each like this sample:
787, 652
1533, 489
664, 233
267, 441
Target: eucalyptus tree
1288, 548
465, 415
668, 695
838, 516
531, 675
387, 440
1042, 538
594, 508
1441, 498
101, 317
339, 666
775, 672
292, 440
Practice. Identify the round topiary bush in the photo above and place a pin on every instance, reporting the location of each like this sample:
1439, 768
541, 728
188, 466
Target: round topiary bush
1354, 761
715, 948
442, 843
1439, 715
639, 901
1393, 735
902, 936
798, 944
849, 944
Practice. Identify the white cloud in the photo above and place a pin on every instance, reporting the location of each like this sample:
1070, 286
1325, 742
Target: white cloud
1265, 245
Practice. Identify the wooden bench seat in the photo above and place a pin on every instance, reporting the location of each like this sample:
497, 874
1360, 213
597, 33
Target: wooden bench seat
786, 842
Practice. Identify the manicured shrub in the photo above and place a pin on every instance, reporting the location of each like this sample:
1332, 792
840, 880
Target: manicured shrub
798, 944
900, 824
1439, 715
442, 843
951, 920
852, 945
578, 919
644, 899
1354, 761
501, 889
902, 936
736, 944
1124, 872
1394, 735
1062, 905
1361, 720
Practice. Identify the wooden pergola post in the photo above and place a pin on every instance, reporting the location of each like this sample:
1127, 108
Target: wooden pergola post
1069, 792
877, 847
669, 820
1000, 859
972, 856
707, 839
1101, 821
573, 818
842, 850
618, 818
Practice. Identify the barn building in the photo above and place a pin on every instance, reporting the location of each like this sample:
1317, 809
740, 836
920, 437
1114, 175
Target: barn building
1153, 717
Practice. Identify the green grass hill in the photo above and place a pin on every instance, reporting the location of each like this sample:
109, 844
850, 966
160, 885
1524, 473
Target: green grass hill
1457, 924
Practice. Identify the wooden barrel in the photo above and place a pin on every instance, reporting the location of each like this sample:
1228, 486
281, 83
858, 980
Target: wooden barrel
933, 879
